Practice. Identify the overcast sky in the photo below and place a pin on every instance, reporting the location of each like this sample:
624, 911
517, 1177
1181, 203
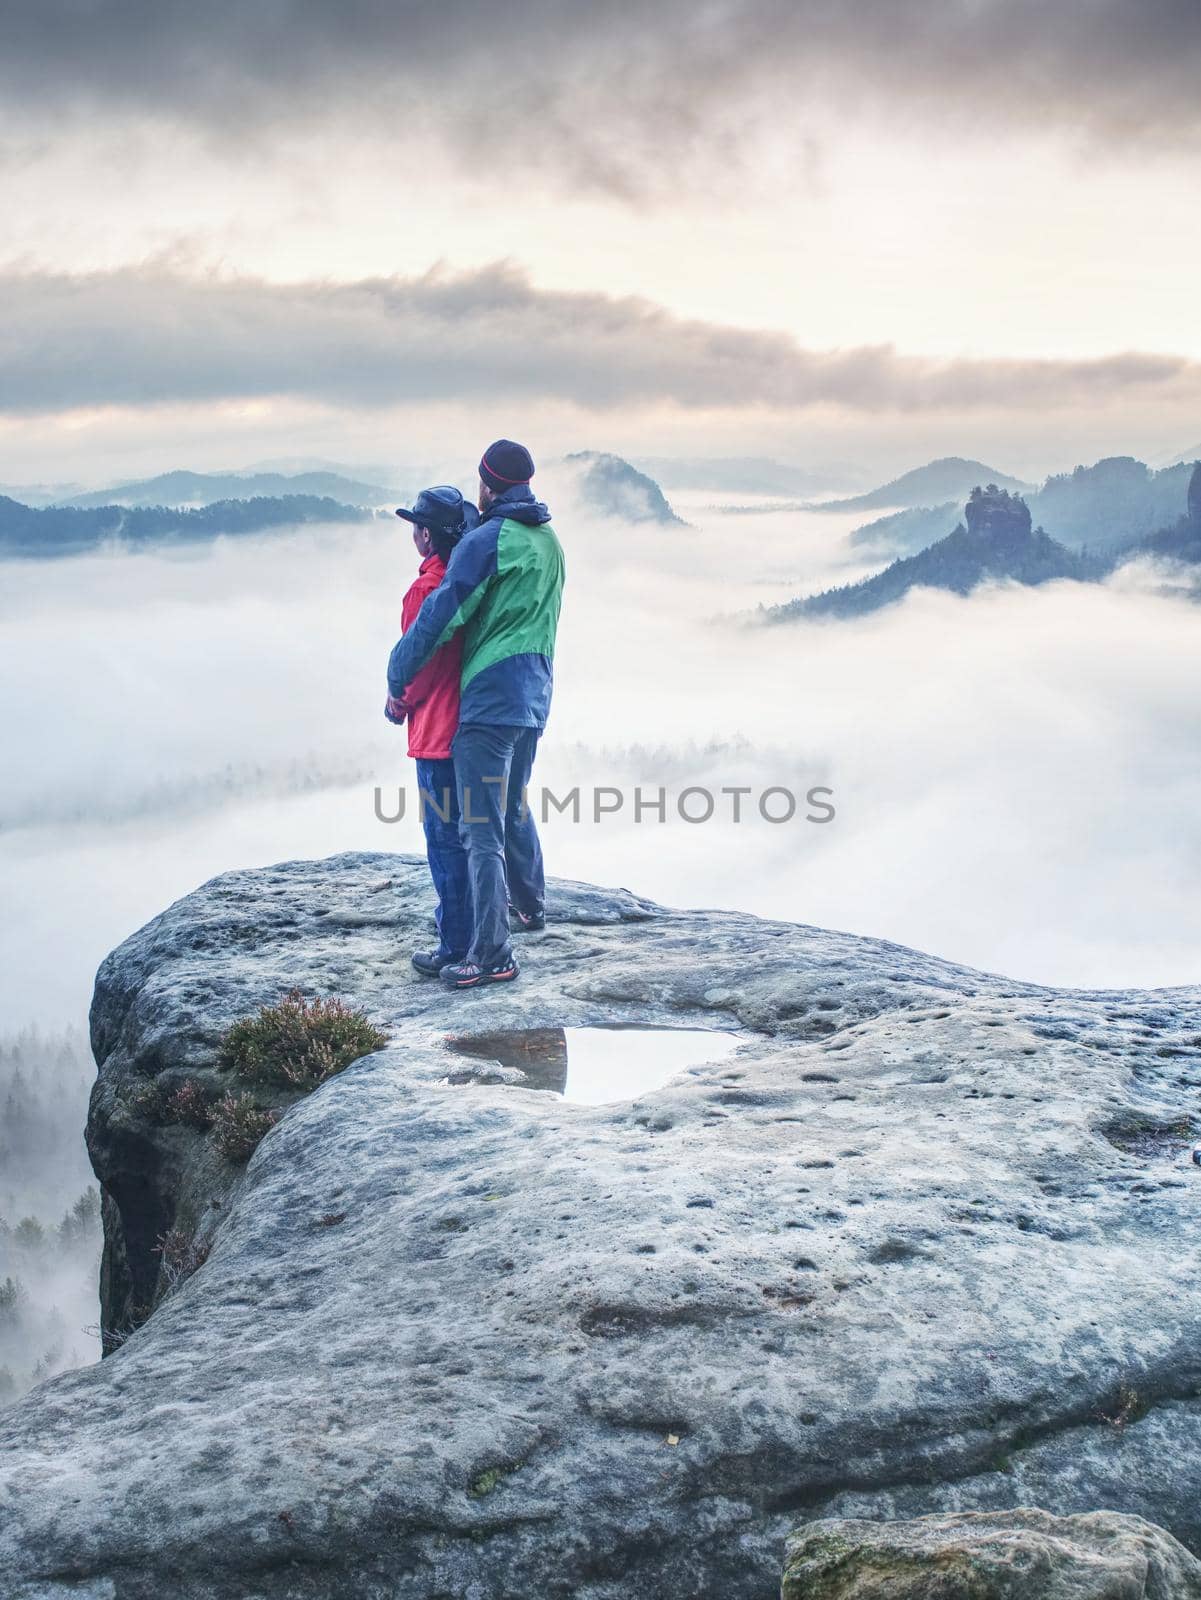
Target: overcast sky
377, 230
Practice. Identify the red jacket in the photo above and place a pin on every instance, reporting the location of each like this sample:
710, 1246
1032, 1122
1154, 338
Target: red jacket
431, 701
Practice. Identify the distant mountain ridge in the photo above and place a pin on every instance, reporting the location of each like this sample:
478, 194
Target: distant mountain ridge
1111, 504
747, 475
906, 532
1104, 507
41, 494
1181, 541
183, 488
46, 532
997, 541
949, 478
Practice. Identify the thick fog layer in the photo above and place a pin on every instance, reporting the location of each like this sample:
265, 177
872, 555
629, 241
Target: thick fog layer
1014, 775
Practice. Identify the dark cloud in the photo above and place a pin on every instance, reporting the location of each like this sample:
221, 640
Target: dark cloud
151, 335
614, 94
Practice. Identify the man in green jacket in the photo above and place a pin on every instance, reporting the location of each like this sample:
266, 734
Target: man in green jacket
503, 587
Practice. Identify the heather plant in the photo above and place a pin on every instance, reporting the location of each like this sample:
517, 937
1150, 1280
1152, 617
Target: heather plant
240, 1125
147, 1099
298, 1043
189, 1105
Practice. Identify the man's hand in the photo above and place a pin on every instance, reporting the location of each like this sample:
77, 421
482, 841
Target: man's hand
394, 710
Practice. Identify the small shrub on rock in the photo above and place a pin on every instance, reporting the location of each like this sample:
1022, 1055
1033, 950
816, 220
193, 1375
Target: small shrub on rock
181, 1255
113, 1338
190, 1105
298, 1043
147, 1100
240, 1125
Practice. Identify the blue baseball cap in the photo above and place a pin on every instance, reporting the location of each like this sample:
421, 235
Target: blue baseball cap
442, 508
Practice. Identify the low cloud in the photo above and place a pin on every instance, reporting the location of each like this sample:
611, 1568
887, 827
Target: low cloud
145, 336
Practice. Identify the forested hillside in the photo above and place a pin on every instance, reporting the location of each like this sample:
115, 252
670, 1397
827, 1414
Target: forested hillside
71, 530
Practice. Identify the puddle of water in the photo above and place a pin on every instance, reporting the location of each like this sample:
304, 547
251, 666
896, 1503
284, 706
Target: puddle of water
595, 1066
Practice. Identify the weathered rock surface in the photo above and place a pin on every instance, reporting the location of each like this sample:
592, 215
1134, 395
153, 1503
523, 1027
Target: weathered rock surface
1014, 1555
928, 1242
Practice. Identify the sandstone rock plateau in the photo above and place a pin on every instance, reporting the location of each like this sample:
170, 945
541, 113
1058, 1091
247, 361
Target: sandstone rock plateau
926, 1243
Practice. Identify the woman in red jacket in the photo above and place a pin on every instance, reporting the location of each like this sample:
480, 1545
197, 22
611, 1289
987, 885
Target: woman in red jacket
430, 703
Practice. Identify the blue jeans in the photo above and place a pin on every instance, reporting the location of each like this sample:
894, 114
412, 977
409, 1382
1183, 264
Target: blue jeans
439, 804
504, 856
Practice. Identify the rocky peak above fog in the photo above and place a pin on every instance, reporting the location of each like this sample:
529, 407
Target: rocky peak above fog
612, 487
997, 515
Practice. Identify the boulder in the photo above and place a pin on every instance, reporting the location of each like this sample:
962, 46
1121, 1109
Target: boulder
1012, 1555
923, 1244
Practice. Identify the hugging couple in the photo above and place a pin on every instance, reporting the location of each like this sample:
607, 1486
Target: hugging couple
472, 676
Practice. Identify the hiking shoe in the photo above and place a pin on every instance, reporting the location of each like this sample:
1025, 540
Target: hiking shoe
429, 963
526, 921
466, 975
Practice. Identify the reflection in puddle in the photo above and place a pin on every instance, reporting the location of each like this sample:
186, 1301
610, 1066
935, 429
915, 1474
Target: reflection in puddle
593, 1066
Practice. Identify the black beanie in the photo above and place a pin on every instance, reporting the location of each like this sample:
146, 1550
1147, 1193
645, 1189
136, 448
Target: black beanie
504, 464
